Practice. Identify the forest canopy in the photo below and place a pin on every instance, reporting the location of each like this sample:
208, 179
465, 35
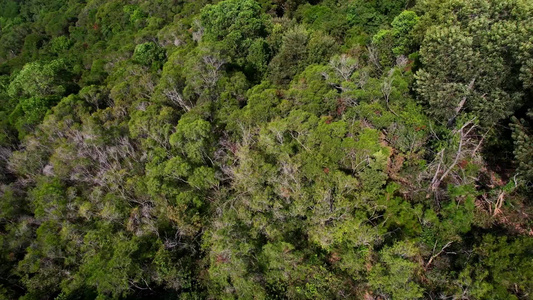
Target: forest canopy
266, 149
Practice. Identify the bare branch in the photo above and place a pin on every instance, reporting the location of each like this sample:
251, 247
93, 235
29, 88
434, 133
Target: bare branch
461, 104
386, 89
436, 255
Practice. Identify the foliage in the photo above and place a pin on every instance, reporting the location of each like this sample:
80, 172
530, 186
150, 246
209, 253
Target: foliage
149, 54
283, 149
466, 66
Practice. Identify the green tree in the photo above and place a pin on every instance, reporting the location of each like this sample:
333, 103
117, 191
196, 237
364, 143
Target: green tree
40, 80
291, 57
234, 26
29, 113
523, 147
391, 43
149, 54
394, 275
467, 68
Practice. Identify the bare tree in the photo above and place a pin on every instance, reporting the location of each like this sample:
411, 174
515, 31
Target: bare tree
435, 255
211, 67
461, 104
373, 56
386, 89
5, 153
363, 79
344, 66
175, 97
402, 61
199, 32
464, 145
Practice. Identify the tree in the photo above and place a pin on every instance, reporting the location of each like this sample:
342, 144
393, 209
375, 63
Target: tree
29, 113
192, 138
291, 57
394, 275
149, 54
466, 68
234, 26
9, 9
501, 269
391, 43
523, 147
40, 80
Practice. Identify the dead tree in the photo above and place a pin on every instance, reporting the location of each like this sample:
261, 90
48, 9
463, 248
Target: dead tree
460, 105
177, 99
344, 66
463, 146
386, 89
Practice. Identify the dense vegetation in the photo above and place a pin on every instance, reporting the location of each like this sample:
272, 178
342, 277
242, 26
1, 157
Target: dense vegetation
256, 149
